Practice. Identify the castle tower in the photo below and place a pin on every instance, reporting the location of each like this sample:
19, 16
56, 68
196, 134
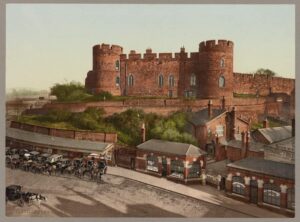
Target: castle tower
105, 75
215, 69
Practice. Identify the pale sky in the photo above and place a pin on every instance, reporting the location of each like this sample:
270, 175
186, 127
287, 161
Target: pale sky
52, 43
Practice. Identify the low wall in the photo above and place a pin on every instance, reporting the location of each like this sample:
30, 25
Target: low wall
73, 134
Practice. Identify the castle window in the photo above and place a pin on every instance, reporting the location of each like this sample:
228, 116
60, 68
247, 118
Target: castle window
117, 80
171, 81
130, 80
117, 65
221, 82
222, 63
160, 80
193, 80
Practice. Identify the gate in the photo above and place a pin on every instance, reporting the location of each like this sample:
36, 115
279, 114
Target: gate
253, 191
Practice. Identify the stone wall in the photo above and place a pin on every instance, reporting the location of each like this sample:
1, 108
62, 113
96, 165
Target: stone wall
73, 134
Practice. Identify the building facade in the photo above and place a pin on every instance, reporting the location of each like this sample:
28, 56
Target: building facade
205, 74
180, 162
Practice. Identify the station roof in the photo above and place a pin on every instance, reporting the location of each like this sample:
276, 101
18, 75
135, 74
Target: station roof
57, 142
267, 167
175, 148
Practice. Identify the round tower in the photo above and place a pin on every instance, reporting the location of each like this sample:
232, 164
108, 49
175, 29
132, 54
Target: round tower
106, 69
215, 69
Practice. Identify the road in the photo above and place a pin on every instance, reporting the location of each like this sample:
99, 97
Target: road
115, 196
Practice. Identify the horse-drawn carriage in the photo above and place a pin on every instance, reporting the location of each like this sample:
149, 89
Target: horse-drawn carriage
14, 193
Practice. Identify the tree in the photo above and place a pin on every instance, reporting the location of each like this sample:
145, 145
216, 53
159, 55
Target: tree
267, 72
69, 91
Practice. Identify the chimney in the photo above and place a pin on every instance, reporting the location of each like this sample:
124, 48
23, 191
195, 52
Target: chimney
266, 123
143, 132
247, 143
233, 113
209, 109
293, 127
243, 138
223, 103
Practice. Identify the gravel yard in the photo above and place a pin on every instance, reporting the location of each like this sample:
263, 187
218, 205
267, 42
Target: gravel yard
113, 197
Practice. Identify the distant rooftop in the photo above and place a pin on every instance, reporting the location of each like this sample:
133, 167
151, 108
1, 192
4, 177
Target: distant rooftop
275, 134
267, 167
201, 117
171, 147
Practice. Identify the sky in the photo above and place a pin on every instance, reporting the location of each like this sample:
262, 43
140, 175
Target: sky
52, 43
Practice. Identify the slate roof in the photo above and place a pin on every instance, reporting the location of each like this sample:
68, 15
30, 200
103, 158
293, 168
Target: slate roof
285, 144
268, 167
57, 142
201, 117
171, 147
275, 134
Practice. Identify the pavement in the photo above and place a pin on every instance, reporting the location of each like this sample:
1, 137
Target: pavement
204, 193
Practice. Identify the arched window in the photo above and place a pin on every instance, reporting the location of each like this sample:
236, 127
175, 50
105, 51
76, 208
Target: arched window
171, 81
118, 80
130, 80
160, 80
194, 170
271, 194
238, 185
152, 163
177, 168
291, 198
117, 65
222, 63
193, 80
221, 82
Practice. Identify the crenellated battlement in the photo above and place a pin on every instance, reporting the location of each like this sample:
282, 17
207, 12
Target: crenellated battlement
106, 48
213, 45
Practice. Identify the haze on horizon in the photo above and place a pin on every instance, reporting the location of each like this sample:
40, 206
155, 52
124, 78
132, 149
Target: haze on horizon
52, 43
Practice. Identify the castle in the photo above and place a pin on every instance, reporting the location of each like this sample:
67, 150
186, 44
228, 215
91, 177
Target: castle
206, 74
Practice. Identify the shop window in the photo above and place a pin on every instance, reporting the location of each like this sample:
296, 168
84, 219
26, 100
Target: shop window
177, 168
238, 185
193, 80
221, 82
152, 163
271, 194
194, 170
160, 81
291, 198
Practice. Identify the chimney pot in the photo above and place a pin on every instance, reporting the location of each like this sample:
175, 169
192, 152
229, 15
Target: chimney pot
209, 109
266, 123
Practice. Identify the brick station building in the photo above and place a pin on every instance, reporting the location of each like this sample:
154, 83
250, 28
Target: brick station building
269, 184
176, 161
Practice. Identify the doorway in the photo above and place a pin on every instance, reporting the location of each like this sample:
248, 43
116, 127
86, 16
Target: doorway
164, 167
253, 191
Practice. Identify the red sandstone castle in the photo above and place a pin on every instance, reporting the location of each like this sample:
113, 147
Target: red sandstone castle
205, 74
